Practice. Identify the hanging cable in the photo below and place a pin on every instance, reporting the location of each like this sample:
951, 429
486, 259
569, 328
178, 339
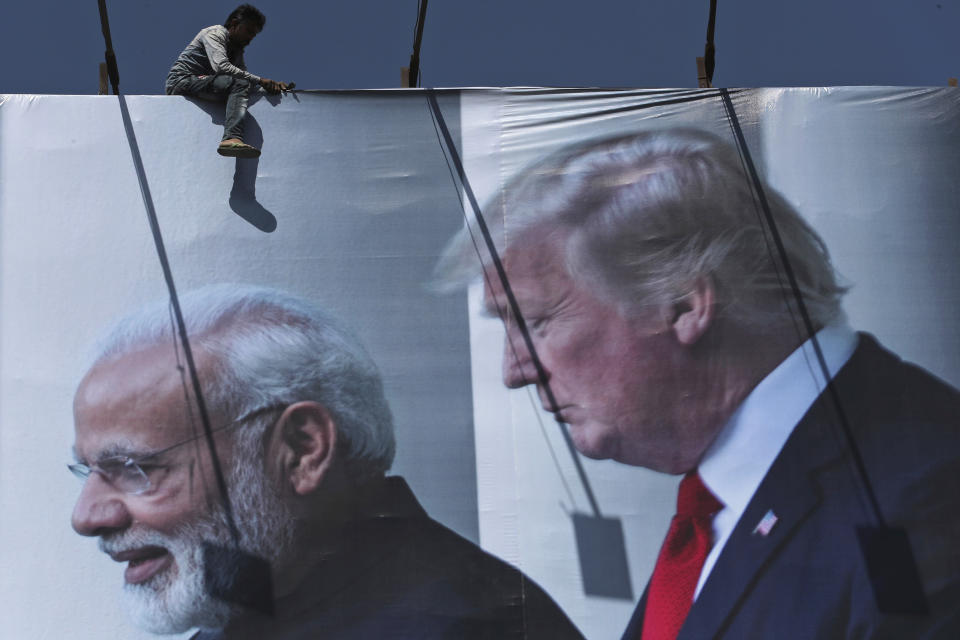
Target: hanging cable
167, 275
109, 56
810, 329
414, 77
511, 299
229, 573
891, 567
513, 348
709, 50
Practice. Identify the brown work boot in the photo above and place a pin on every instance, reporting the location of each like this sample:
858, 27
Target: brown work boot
237, 148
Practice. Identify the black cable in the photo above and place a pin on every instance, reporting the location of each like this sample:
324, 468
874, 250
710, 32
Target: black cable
109, 56
502, 314
168, 277
178, 315
511, 299
414, 77
802, 308
709, 50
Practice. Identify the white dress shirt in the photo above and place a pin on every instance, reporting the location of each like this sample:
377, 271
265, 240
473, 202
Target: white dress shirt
737, 461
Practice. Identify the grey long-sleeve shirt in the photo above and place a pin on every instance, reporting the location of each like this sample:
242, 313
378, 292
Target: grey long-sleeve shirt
210, 53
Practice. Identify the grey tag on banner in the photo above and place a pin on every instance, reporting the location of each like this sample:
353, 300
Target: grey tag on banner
603, 556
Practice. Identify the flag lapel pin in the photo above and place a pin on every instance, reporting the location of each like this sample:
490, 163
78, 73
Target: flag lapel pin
766, 523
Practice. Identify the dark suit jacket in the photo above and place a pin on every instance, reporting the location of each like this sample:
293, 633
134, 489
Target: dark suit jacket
807, 578
399, 574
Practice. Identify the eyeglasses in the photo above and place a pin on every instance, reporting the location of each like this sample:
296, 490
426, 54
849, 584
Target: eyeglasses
131, 475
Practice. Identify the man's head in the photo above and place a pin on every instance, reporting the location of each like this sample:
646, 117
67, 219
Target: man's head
299, 414
653, 295
244, 23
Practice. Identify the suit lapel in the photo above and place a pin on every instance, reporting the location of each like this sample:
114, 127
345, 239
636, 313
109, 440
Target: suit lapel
790, 491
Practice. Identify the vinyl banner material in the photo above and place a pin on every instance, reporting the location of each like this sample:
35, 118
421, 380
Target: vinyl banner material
482, 363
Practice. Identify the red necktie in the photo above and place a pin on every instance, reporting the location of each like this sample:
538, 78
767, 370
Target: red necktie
680, 561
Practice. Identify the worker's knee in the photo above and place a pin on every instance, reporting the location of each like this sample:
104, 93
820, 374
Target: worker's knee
240, 85
224, 84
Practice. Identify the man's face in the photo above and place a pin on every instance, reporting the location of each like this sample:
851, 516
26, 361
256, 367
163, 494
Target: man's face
617, 381
242, 33
134, 405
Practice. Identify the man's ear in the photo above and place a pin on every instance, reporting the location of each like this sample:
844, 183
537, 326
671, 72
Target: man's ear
693, 314
308, 438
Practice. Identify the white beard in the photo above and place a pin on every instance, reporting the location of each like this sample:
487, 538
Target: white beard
176, 600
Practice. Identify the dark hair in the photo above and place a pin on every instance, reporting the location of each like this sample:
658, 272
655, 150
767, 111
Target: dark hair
246, 13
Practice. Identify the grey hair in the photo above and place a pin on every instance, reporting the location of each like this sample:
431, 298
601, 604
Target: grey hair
645, 216
273, 348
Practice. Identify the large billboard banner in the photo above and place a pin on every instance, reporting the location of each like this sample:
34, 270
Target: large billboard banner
437, 363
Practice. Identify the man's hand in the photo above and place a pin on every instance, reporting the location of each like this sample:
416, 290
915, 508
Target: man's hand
272, 86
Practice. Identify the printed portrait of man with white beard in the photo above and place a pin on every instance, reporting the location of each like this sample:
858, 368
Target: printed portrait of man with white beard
299, 434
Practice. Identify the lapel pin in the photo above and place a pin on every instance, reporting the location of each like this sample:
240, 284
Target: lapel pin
766, 523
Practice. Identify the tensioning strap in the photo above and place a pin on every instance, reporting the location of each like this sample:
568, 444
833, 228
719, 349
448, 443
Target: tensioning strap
889, 559
511, 299
229, 573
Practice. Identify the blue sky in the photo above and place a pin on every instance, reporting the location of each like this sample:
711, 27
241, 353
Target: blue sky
51, 46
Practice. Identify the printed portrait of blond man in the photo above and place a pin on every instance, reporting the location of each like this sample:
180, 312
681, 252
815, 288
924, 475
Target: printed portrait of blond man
659, 326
